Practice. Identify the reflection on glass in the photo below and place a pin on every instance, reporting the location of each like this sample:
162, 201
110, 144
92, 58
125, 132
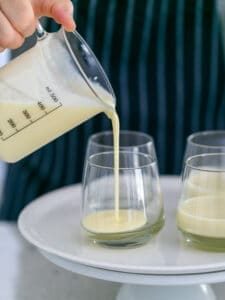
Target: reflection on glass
201, 211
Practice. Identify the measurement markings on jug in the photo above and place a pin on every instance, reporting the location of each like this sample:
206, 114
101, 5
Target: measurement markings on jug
11, 123
26, 114
52, 94
28, 117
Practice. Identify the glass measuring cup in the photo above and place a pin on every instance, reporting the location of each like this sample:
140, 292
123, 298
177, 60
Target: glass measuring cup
48, 90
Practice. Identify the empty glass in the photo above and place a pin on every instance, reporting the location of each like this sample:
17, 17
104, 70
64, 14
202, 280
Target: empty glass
137, 214
201, 211
205, 142
129, 141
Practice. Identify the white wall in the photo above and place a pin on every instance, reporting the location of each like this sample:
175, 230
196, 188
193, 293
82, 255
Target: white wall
4, 58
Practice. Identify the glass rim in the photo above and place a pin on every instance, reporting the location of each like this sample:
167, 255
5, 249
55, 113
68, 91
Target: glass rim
203, 169
205, 133
110, 132
89, 162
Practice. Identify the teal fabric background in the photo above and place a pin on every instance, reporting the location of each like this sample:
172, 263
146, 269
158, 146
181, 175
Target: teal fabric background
165, 61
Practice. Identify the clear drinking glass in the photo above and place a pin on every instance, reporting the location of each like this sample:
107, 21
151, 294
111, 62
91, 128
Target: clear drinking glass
138, 212
133, 141
205, 142
201, 211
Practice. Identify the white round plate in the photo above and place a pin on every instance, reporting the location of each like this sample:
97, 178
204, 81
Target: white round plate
137, 279
52, 224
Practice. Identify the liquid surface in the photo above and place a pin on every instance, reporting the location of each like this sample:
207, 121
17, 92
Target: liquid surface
107, 221
204, 216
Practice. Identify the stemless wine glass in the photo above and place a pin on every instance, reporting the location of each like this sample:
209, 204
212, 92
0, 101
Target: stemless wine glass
205, 142
129, 141
201, 211
137, 214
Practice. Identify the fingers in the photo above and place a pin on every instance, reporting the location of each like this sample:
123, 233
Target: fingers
18, 18
20, 14
9, 37
60, 10
63, 14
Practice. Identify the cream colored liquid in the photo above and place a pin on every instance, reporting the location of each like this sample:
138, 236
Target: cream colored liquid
117, 220
116, 136
202, 211
42, 97
107, 221
42, 131
203, 216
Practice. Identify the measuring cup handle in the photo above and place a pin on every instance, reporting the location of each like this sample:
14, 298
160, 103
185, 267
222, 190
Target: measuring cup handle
40, 32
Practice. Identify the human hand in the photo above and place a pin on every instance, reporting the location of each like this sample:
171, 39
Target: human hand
18, 18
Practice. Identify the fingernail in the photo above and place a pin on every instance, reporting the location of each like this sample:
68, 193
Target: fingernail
71, 28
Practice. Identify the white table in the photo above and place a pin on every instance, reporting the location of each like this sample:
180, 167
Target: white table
26, 275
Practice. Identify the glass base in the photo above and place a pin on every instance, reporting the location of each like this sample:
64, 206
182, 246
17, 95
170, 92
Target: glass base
127, 239
203, 242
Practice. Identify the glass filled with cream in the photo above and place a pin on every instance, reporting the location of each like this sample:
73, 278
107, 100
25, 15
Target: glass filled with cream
201, 211
125, 215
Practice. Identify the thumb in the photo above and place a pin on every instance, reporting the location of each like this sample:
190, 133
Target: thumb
60, 10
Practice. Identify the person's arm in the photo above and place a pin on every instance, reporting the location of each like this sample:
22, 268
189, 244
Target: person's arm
18, 18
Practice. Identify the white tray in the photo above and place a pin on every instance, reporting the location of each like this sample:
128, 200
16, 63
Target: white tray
52, 224
136, 279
